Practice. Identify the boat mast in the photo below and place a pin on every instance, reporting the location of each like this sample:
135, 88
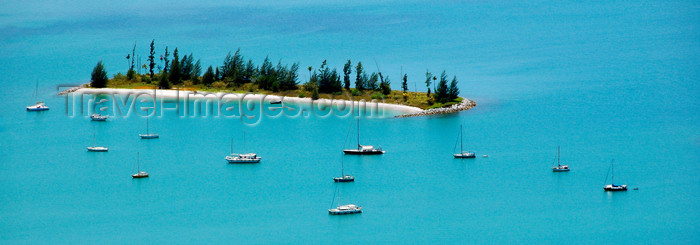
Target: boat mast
342, 166
460, 139
231, 145
147, 126
244, 148
558, 148
359, 147
138, 166
612, 175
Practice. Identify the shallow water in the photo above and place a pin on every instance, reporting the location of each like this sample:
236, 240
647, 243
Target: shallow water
602, 80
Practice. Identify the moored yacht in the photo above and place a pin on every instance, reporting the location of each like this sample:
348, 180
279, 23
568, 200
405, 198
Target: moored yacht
345, 178
345, 209
559, 167
465, 154
363, 149
97, 148
612, 186
242, 158
148, 135
462, 153
39, 106
98, 117
94, 143
139, 174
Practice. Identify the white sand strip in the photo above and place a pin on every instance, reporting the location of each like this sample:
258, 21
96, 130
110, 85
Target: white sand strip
173, 94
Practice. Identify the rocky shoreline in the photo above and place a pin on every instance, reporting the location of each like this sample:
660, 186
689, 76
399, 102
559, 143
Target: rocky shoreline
73, 89
465, 105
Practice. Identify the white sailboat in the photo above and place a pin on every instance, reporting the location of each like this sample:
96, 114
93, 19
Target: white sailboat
343, 177
98, 117
612, 186
343, 209
242, 157
94, 146
148, 135
139, 174
462, 153
39, 106
363, 149
559, 167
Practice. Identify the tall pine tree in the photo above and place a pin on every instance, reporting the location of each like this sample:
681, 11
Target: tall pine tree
175, 76
347, 69
453, 90
151, 56
208, 77
359, 81
441, 93
404, 84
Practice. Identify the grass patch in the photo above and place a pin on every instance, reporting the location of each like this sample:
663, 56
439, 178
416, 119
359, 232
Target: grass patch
415, 99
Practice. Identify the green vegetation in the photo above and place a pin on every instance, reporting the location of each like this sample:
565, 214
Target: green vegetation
237, 74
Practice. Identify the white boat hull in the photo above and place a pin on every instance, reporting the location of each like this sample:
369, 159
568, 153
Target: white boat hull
346, 178
345, 209
98, 118
97, 148
615, 188
140, 175
243, 161
464, 155
148, 136
37, 108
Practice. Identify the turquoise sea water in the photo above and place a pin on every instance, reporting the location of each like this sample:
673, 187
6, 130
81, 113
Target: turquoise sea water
605, 80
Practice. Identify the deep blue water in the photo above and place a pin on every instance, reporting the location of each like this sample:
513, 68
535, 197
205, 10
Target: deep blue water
604, 80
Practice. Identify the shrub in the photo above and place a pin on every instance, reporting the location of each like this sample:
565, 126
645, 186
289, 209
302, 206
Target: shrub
309, 86
356, 92
302, 94
377, 95
98, 77
218, 85
314, 95
119, 76
130, 74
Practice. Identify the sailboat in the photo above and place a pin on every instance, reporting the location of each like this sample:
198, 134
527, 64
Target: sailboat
94, 146
39, 106
559, 167
612, 186
98, 117
148, 135
139, 174
343, 209
363, 149
462, 153
242, 157
344, 177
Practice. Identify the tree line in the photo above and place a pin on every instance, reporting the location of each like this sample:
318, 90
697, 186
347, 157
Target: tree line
237, 71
